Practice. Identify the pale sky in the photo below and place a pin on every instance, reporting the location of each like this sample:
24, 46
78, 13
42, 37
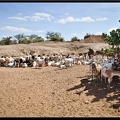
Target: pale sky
71, 19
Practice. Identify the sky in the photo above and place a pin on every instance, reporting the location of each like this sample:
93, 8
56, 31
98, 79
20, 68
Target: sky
70, 19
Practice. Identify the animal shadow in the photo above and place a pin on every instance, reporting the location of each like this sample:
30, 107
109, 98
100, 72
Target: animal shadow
99, 89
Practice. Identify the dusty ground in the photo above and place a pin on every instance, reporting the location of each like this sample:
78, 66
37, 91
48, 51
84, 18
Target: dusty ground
54, 92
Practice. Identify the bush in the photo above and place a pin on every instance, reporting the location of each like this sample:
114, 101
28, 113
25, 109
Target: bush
74, 39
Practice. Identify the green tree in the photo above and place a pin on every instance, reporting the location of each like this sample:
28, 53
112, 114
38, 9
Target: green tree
19, 37
6, 41
33, 37
52, 36
25, 41
112, 39
62, 39
38, 39
14, 42
74, 39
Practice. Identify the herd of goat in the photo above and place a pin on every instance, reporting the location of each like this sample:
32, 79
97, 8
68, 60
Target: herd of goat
99, 65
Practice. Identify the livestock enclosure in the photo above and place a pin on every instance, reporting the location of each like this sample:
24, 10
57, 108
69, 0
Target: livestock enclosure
50, 91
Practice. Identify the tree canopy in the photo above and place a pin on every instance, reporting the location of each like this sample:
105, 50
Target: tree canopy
54, 36
112, 39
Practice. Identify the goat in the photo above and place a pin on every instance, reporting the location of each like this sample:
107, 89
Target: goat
9, 60
79, 62
90, 53
62, 66
68, 64
50, 63
34, 64
2, 61
109, 74
69, 60
38, 62
87, 62
24, 65
106, 65
96, 69
56, 64
11, 64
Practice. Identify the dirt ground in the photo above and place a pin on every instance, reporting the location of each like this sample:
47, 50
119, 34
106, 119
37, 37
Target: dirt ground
55, 92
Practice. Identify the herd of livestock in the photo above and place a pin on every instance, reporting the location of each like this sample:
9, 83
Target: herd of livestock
100, 66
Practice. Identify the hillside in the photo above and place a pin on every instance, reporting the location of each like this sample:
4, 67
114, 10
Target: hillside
47, 47
93, 39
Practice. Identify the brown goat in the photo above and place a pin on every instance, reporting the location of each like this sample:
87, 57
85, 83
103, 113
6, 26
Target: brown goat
109, 74
96, 70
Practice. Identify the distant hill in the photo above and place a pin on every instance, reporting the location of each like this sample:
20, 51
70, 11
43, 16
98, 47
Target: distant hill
93, 39
95, 42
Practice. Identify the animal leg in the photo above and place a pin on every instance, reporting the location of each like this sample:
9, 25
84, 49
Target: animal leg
109, 81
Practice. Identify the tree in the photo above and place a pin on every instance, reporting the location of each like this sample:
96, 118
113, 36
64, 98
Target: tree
25, 41
74, 39
6, 41
38, 39
62, 39
32, 37
54, 36
14, 42
112, 39
19, 37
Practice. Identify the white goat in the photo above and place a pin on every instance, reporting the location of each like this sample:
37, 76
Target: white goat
87, 62
39, 62
34, 64
8, 60
51, 62
24, 65
11, 64
62, 66
79, 62
69, 60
